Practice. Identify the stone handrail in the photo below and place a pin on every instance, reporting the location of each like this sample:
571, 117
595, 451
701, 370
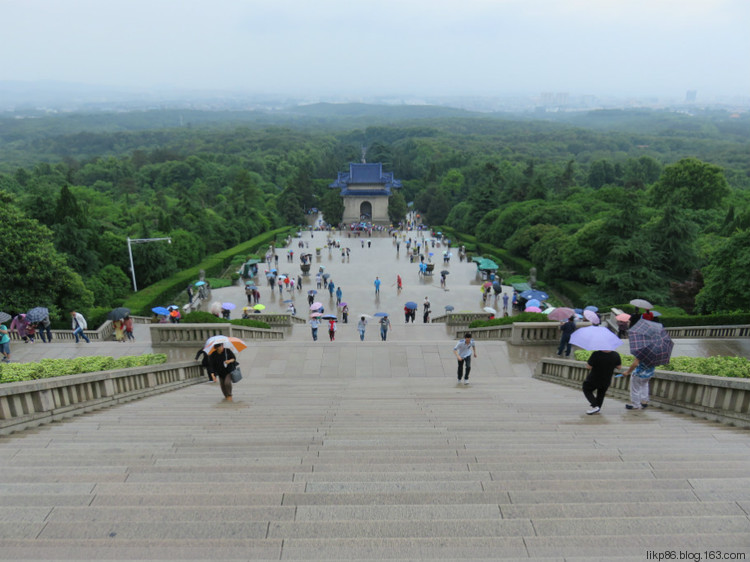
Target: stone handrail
722, 399
105, 332
195, 334
520, 333
31, 403
738, 331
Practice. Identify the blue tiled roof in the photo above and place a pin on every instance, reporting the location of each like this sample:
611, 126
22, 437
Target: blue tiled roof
367, 192
365, 174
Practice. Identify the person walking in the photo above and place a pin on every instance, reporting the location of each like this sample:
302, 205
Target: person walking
638, 384
5, 343
331, 287
332, 330
45, 327
567, 330
318, 279
399, 284
221, 362
345, 314
385, 323
339, 294
463, 352
314, 325
361, 326
601, 365
78, 324
505, 302
20, 325
426, 310
377, 286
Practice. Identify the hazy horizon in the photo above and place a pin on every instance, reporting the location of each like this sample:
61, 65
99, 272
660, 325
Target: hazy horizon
439, 48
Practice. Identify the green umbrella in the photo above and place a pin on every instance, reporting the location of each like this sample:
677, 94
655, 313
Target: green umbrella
488, 264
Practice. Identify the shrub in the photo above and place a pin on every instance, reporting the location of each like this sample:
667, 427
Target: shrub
200, 317
48, 368
219, 283
718, 366
522, 317
165, 290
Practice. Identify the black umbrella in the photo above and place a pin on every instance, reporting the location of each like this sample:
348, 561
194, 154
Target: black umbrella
37, 314
118, 313
445, 272
329, 317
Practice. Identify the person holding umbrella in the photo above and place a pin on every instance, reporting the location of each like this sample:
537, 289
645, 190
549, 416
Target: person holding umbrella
651, 346
426, 311
331, 329
601, 365
221, 362
385, 323
314, 325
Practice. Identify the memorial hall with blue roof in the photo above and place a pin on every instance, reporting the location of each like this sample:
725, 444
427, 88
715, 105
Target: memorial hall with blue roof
365, 189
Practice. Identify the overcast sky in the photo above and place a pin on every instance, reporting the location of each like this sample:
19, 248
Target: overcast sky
384, 47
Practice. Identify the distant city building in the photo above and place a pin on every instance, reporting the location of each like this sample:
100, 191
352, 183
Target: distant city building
365, 189
691, 95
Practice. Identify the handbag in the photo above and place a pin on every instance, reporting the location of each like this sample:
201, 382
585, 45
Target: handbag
236, 373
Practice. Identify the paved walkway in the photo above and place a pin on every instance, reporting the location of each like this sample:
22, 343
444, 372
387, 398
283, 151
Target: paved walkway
369, 450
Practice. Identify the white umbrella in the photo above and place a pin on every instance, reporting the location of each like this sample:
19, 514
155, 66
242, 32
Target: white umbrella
641, 303
490, 310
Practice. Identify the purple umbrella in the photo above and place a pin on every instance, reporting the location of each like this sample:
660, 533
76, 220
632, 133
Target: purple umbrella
650, 343
228, 306
595, 338
591, 316
342, 304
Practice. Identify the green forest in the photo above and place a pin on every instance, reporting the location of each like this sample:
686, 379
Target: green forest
616, 204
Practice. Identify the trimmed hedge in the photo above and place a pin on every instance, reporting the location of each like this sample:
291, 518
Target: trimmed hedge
200, 317
165, 290
48, 368
717, 366
712, 320
522, 317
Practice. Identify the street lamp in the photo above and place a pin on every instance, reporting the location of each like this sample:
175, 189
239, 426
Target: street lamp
130, 253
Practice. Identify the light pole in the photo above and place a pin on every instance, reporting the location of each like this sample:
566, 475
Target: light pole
130, 253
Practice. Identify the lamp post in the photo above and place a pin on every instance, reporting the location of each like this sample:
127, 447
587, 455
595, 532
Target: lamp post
130, 253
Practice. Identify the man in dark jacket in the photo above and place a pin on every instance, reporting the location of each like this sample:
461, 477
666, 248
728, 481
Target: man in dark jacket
567, 330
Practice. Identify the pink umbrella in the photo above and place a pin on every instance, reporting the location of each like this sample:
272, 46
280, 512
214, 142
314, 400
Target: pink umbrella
591, 316
316, 315
623, 317
561, 314
316, 305
533, 309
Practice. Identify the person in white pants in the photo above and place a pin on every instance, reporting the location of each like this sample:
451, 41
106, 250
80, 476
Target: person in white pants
638, 384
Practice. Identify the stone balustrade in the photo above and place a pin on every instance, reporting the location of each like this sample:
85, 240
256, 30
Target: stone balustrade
726, 400
31, 403
739, 331
105, 332
519, 333
195, 334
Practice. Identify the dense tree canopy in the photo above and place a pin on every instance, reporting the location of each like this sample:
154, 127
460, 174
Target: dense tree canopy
623, 203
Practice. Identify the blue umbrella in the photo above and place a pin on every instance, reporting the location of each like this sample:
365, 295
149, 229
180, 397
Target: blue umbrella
329, 317
578, 310
532, 302
313, 292
200, 283
287, 301
411, 305
534, 294
160, 310
252, 287
380, 314
449, 308
591, 308
228, 306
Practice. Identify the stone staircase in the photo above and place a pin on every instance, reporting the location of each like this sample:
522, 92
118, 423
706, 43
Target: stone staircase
364, 451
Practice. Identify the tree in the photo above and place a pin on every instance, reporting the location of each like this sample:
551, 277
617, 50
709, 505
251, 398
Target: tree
691, 184
601, 172
726, 280
33, 272
332, 206
110, 286
674, 234
397, 208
